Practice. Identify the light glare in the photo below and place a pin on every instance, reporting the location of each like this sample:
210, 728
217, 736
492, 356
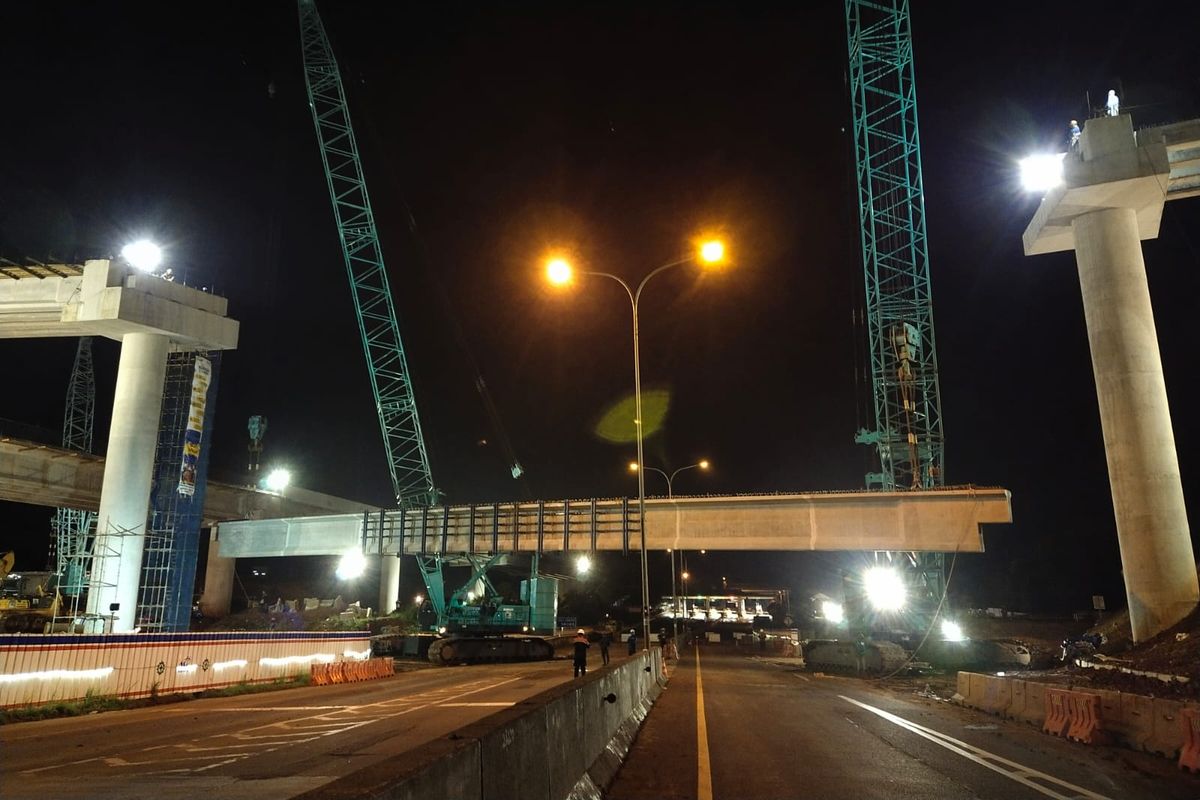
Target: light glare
352, 565
583, 565
952, 631
142, 254
712, 252
1041, 173
278, 479
832, 612
558, 271
884, 588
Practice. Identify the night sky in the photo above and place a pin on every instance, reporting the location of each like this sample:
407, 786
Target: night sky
492, 134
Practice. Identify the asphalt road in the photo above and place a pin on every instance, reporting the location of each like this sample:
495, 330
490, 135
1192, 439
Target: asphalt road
266, 745
771, 732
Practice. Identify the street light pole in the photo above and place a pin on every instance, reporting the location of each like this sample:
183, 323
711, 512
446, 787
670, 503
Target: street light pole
559, 272
671, 496
635, 297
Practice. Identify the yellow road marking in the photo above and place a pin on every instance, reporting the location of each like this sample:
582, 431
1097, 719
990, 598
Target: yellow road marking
704, 771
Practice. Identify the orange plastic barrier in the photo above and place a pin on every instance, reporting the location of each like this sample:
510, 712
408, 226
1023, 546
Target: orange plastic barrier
1189, 754
351, 671
1057, 719
1083, 710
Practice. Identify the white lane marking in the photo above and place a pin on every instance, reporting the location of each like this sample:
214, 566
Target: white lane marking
252, 708
300, 730
1017, 772
476, 705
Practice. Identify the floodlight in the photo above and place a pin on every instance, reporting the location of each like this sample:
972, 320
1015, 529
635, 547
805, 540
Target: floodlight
278, 479
952, 631
583, 565
1041, 173
832, 612
142, 254
885, 589
352, 565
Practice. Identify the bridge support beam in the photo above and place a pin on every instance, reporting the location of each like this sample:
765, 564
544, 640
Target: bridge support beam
1113, 192
219, 571
1143, 469
389, 583
125, 492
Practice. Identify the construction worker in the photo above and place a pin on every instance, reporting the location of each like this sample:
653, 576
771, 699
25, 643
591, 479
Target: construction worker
1075, 134
581, 648
1113, 105
632, 641
860, 654
605, 641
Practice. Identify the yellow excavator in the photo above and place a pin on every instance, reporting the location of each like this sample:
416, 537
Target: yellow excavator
29, 601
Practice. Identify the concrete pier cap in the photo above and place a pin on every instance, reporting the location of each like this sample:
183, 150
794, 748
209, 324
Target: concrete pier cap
1112, 197
150, 316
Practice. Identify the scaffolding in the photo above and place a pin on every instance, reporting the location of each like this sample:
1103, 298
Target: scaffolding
177, 492
72, 615
71, 526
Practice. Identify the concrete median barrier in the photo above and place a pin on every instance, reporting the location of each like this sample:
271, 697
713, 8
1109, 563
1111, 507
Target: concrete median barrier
1167, 736
1034, 712
1137, 720
567, 741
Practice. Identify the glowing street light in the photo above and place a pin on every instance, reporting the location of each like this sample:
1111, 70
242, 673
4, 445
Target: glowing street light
1041, 173
583, 565
352, 564
558, 271
884, 588
278, 479
708, 253
419, 599
143, 255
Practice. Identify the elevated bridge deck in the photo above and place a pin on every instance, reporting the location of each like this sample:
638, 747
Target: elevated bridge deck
945, 520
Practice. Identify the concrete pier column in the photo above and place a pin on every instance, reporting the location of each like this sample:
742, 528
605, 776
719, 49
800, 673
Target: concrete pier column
389, 583
128, 468
217, 598
1143, 468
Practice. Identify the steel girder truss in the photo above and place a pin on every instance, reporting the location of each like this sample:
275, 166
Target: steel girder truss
907, 400
72, 525
408, 461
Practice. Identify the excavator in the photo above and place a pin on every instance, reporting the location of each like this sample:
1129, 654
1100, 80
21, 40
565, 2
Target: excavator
29, 601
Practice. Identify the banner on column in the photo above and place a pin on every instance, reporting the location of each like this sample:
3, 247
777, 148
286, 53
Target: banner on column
194, 432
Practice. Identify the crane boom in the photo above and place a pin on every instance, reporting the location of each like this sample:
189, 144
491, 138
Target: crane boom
899, 310
907, 399
408, 461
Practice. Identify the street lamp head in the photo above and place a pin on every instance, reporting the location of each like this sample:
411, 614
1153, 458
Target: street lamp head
633, 466
559, 272
703, 463
685, 575
712, 252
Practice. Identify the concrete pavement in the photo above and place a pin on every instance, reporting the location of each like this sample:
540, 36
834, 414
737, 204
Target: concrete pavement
775, 733
272, 744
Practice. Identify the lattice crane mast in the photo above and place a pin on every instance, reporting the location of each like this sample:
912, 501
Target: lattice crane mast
408, 461
899, 304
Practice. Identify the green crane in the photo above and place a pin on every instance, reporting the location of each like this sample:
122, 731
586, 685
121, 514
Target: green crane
377, 324
907, 434
72, 525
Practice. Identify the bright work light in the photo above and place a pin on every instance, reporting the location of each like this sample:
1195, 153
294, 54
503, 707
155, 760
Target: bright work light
142, 254
952, 631
278, 479
832, 612
352, 565
1041, 173
583, 565
884, 588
